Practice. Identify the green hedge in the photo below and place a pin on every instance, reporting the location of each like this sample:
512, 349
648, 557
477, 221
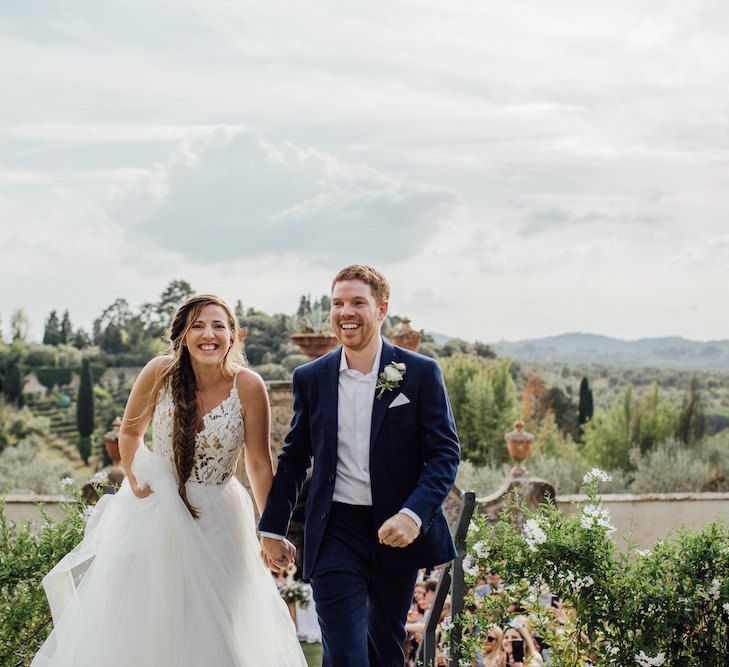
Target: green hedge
52, 376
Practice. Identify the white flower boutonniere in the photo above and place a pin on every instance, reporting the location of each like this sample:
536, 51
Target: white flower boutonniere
390, 378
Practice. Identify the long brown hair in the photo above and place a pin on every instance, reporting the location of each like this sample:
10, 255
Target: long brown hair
183, 384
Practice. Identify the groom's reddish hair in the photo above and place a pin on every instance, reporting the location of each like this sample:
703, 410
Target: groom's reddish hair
369, 276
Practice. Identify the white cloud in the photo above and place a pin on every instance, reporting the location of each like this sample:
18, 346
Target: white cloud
233, 195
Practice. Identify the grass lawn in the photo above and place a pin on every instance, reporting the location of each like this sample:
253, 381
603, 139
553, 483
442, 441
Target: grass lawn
312, 653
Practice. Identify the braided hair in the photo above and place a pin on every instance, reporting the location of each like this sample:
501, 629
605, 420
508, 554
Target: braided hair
183, 384
183, 387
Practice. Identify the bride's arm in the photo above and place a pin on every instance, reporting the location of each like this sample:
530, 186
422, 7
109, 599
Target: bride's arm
259, 465
137, 415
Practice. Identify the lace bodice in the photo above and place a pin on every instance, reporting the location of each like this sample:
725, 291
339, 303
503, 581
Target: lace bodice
218, 444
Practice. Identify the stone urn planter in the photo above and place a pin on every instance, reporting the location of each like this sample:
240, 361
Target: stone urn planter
519, 444
111, 442
404, 336
314, 345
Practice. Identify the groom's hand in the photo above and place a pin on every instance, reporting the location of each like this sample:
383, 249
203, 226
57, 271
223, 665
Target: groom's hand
277, 554
398, 531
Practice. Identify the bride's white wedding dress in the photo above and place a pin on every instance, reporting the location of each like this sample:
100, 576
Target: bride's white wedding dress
151, 586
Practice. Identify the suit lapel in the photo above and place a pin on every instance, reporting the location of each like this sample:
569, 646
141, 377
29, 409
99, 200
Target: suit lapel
379, 409
328, 378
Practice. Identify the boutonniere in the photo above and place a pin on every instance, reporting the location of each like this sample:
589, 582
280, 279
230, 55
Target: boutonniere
390, 378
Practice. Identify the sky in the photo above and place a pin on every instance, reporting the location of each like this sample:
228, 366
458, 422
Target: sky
515, 169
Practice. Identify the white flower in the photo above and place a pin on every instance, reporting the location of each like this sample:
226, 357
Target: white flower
646, 661
472, 527
533, 534
643, 553
470, 566
725, 607
596, 474
715, 590
390, 377
446, 624
101, 477
67, 481
393, 374
595, 515
481, 549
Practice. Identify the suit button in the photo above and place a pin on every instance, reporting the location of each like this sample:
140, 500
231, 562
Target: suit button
323, 515
331, 478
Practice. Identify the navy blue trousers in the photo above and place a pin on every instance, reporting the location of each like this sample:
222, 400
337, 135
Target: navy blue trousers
361, 608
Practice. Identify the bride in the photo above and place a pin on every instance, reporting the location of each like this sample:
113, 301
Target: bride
169, 572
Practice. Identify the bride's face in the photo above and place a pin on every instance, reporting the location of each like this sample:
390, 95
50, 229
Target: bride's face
209, 337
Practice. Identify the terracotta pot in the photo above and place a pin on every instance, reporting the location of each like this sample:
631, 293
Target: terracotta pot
404, 336
519, 444
314, 345
111, 442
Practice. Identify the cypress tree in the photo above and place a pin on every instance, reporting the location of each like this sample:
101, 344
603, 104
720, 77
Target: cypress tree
85, 411
14, 380
66, 330
586, 406
691, 426
52, 333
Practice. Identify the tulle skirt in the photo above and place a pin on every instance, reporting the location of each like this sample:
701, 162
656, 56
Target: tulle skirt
151, 586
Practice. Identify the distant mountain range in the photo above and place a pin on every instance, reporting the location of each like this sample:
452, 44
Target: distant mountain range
574, 348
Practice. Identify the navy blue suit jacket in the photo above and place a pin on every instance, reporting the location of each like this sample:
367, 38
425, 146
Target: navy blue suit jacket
414, 455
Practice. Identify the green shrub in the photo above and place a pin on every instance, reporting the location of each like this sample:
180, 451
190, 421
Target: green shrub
293, 361
27, 553
272, 372
629, 422
670, 605
16, 425
670, 467
41, 355
483, 396
23, 471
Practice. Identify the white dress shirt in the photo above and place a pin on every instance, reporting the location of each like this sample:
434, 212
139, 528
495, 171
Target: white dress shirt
354, 424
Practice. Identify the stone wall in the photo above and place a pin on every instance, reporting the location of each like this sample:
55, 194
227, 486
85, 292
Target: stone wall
645, 519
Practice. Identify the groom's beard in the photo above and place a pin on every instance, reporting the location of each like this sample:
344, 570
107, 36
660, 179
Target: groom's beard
356, 339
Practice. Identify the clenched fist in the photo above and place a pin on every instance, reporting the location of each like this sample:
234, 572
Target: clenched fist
398, 531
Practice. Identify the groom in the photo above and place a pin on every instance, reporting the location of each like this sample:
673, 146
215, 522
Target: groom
377, 422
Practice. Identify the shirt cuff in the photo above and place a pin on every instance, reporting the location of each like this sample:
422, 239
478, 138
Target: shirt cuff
413, 516
275, 536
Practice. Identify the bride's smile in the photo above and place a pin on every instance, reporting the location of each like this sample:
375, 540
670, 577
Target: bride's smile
209, 337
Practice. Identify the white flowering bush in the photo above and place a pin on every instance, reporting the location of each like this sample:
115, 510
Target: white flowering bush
27, 552
668, 606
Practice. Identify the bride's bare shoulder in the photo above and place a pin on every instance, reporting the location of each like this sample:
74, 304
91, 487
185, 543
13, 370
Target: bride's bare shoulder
250, 384
154, 368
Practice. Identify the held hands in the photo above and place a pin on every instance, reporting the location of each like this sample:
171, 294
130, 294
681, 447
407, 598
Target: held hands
277, 554
398, 531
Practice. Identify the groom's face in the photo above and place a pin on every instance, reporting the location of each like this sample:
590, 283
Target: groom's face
355, 315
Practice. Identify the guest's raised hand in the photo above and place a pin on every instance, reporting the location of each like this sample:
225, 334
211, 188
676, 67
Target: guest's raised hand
398, 531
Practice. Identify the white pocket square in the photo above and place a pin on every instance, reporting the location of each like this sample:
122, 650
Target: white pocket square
400, 399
